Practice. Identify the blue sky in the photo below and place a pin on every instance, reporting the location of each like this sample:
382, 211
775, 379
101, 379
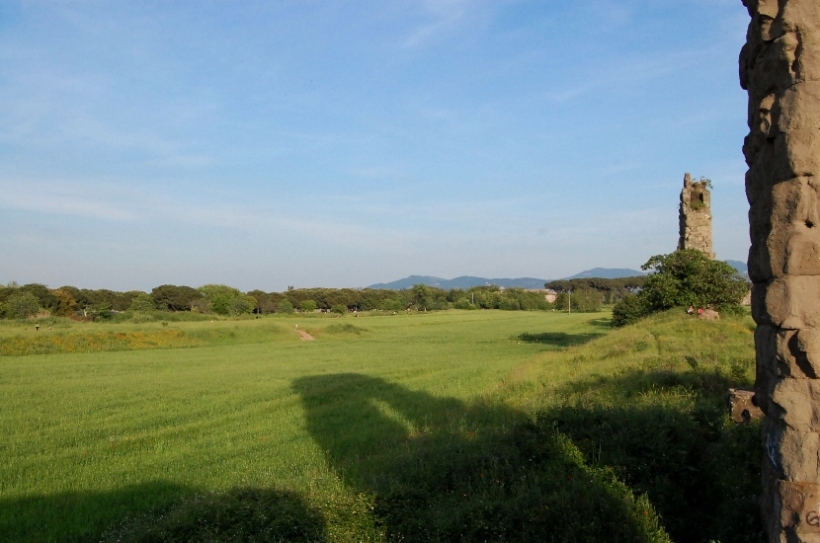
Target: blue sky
308, 143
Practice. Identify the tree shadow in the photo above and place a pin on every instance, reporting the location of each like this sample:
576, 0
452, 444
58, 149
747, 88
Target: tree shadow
593, 469
439, 469
558, 339
160, 512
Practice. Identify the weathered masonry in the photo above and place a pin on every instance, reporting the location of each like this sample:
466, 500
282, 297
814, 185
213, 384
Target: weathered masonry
780, 69
695, 216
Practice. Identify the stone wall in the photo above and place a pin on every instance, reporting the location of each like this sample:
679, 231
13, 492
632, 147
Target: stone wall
780, 69
695, 217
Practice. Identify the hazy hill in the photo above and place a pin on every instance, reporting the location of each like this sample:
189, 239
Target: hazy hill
465, 281
607, 273
739, 266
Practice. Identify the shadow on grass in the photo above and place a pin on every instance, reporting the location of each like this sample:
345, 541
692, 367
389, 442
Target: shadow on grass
441, 470
160, 512
666, 434
558, 339
595, 469
622, 459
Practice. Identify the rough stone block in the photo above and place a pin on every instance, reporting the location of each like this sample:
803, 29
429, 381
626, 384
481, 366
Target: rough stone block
790, 302
742, 406
800, 507
798, 454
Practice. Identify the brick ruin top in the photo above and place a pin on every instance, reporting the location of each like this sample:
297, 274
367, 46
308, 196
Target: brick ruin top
696, 216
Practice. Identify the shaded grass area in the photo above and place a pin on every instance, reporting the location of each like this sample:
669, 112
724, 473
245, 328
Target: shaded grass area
344, 329
558, 339
431, 428
443, 470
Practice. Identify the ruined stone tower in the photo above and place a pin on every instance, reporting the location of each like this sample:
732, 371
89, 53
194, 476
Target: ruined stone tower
695, 216
780, 69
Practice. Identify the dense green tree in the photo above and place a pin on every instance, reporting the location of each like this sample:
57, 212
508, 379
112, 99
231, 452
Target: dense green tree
463, 303
681, 279
422, 297
225, 300
580, 301
123, 300
284, 307
20, 305
611, 289
45, 297
175, 298
308, 306
689, 277
142, 302
628, 310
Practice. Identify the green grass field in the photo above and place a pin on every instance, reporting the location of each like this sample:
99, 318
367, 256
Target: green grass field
450, 426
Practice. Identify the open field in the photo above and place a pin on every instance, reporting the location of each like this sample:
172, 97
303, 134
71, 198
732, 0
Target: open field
473, 426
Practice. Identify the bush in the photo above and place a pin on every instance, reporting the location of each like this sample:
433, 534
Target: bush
284, 307
508, 304
225, 300
21, 305
142, 302
463, 303
339, 308
308, 306
628, 310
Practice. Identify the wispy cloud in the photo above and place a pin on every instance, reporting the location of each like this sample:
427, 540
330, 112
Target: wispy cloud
440, 16
58, 198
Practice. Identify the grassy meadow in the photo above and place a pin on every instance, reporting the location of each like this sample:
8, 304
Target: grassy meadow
446, 426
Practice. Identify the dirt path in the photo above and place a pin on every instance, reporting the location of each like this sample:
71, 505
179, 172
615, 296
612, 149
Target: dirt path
305, 336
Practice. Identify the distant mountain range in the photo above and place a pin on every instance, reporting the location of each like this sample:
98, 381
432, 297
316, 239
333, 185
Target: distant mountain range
467, 281
606, 273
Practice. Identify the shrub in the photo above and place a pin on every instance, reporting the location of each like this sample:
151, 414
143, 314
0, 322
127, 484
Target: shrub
284, 307
463, 303
628, 310
508, 304
339, 308
142, 302
21, 305
225, 300
308, 306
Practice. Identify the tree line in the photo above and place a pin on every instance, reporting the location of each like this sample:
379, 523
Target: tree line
22, 301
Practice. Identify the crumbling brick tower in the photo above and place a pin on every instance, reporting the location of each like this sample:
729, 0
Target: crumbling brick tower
695, 216
780, 69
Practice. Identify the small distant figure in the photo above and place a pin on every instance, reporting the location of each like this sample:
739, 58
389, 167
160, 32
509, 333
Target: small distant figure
37, 327
691, 310
356, 313
297, 326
